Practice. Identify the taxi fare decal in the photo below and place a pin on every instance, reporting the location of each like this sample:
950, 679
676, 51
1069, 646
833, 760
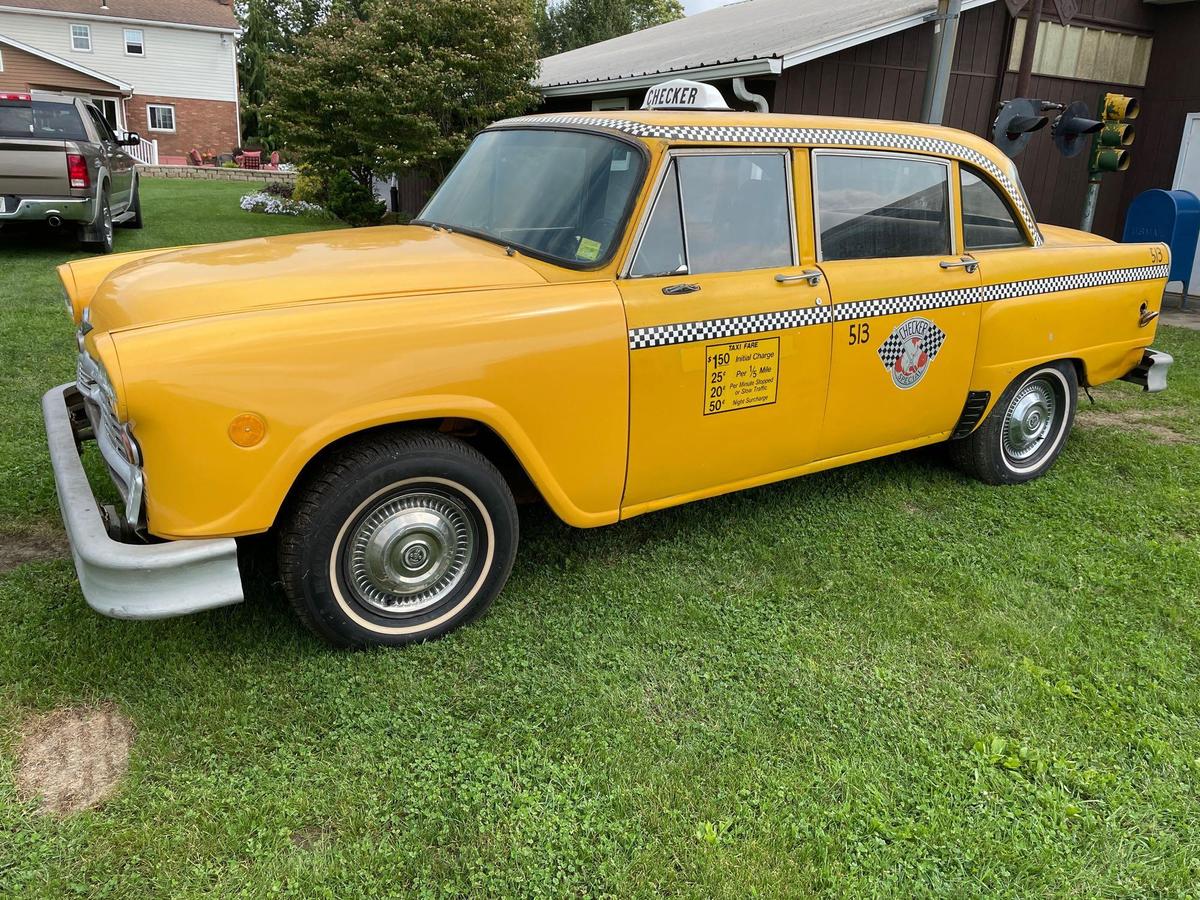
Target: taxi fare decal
740, 375
909, 349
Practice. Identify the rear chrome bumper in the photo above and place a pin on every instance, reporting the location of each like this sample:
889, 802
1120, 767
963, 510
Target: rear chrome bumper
39, 209
1151, 372
130, 581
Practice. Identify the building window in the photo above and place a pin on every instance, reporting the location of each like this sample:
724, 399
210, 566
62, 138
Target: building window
1089, 54
161, 117
81, 38
610, 103
1, 61
134, 42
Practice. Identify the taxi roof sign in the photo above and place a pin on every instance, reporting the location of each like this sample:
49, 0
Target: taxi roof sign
680, 93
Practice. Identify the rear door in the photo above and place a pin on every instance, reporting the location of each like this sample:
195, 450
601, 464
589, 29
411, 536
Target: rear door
119, 164
729, 340
906, 304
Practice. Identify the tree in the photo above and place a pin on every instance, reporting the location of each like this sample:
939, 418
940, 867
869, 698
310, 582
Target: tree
258, 38
405, 88
566, 24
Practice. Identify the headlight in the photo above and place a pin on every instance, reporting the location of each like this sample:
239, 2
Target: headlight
93, 382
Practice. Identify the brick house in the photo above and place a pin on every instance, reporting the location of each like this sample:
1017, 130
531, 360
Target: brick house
166, 69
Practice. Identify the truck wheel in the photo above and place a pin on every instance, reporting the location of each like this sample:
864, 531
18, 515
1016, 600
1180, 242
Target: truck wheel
398, 539
98, 237
1026, 429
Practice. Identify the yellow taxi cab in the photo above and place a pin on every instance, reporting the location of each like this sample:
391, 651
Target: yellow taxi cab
622, 311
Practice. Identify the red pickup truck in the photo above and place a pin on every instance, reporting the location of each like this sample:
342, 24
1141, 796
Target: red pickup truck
61, 164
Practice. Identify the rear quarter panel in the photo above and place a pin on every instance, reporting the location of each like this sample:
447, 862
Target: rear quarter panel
1068, 299
546, 367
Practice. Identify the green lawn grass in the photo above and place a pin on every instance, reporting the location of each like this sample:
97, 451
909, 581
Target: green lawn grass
882, 680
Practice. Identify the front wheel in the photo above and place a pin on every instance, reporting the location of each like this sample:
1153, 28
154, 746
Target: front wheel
1026, 429
398, 539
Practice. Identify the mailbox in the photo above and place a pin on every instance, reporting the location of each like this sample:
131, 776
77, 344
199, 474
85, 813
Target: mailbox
1172, 217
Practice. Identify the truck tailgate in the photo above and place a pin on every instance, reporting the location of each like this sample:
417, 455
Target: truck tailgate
33, 167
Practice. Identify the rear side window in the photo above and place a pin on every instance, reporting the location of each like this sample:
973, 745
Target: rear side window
39, 119
718, 213
881, 207
988, 220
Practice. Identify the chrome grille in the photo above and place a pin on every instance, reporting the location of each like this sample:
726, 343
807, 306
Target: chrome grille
114, 439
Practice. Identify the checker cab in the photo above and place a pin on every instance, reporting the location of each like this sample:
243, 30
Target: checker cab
613, 312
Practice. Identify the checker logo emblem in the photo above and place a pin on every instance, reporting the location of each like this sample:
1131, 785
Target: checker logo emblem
909, 349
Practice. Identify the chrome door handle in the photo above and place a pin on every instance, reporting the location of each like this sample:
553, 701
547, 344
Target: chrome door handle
812, 276
965, 262
672, 289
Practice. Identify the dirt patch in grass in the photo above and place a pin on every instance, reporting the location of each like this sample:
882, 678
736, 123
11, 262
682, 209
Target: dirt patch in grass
19, 547
72, 759
1142, 423
310, 836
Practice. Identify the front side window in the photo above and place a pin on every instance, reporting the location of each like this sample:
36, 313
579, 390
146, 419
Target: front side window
733, 210
81, 38
558, 194
881, 207
134, 42
161, 118
988, 220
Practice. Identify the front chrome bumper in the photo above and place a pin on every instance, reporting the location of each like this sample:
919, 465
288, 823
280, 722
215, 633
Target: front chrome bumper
1151, 372
131, 581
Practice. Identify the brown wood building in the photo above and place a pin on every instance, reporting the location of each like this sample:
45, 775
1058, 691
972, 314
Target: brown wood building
1144, 50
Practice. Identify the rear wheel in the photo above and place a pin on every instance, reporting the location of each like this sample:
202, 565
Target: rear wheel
1026, 429
98, 237
398, 539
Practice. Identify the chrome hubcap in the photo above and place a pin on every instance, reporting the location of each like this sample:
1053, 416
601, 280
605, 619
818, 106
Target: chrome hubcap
410, 552
1029, 419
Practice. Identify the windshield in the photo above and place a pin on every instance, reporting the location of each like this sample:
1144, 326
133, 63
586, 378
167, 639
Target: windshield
58, 121
559, 194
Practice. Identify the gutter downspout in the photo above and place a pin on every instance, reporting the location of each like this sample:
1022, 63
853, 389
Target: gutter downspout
742, 93
937, 78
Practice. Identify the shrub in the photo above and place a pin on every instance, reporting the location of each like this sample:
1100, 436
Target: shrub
309, 188
279, 189
352, 202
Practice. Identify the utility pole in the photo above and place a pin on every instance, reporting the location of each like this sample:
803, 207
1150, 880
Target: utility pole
1025, 71
941, 61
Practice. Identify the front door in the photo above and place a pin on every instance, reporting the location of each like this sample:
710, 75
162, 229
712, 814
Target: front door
729, 339
906, 306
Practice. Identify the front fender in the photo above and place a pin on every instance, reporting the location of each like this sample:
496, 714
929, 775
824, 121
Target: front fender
545, 367
81, 278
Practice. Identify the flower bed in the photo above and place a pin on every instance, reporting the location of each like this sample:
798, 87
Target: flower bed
279, 206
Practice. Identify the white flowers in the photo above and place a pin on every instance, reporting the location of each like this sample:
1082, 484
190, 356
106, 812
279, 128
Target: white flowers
279, 206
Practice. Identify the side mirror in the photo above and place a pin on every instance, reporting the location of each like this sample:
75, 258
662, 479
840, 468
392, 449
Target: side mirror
131, 139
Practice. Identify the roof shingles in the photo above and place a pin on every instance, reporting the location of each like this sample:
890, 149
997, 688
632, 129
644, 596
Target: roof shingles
207, 13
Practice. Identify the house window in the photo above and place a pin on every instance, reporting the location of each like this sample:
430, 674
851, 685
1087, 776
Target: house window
81, 38
610, 103
134, 42
161, 117
1090, 54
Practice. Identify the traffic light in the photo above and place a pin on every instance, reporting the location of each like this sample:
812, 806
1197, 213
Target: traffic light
1109, 148
1109, 153
1070, 127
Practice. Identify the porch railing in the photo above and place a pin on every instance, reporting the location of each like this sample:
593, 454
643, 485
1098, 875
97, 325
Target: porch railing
145, 152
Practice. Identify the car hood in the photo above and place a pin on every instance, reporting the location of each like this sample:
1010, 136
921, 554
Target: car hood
218, 279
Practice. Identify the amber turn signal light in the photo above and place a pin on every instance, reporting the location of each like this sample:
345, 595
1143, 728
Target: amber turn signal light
247, 430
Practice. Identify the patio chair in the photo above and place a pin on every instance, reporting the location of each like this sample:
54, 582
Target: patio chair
194, 157
251, 159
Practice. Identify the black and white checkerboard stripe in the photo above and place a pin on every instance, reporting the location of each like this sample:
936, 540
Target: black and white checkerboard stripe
738, 326
814, 137
931, 343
